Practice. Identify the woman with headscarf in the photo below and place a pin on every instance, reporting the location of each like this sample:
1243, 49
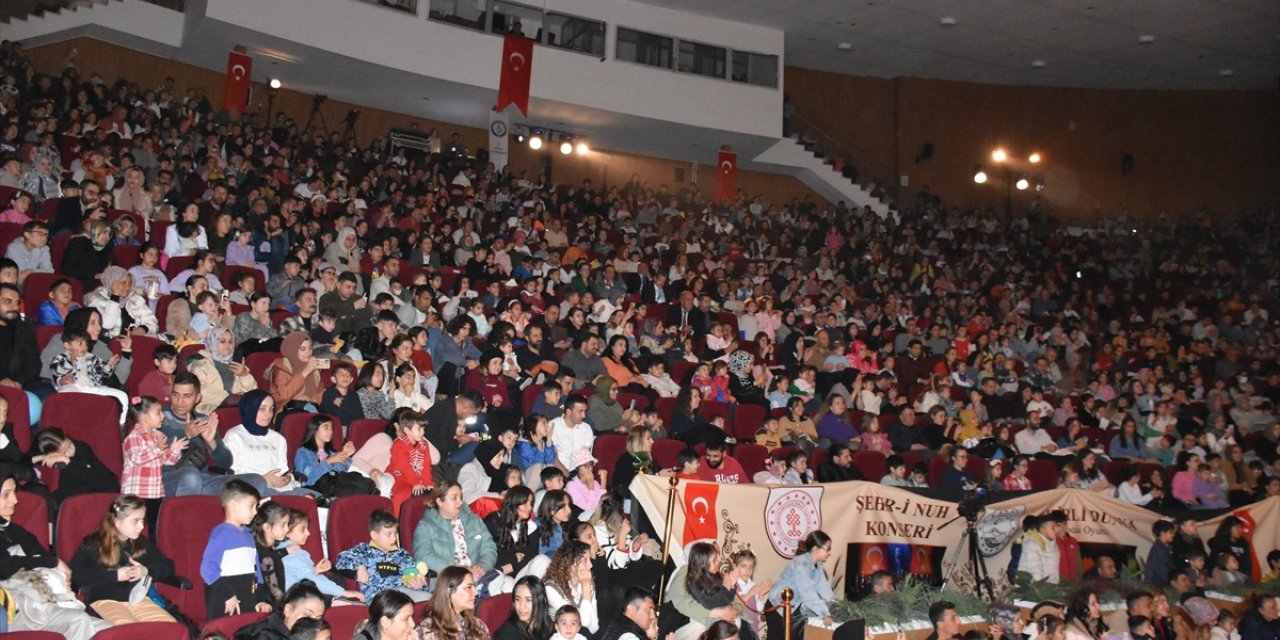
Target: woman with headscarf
742, 381
605, 413
220, 376
484, 479
89, 320
345, 252
123, 308
88, 254
255, 447
295, 381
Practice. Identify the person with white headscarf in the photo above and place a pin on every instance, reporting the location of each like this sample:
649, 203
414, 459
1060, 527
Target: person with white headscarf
742, 380
123, 308
345, 252
220, 375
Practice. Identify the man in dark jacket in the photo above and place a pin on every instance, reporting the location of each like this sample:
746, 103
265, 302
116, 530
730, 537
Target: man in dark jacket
638, 616
302, 600
19, 358
839, 465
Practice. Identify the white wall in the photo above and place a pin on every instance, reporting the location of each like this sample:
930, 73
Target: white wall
402, 41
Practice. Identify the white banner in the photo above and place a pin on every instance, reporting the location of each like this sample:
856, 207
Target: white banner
499, 128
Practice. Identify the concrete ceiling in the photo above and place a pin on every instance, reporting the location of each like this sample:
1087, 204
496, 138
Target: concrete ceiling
1198, 44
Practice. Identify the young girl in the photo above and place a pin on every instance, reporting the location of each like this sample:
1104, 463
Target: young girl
373, 402
868, 399
270, 526
406, 393
568, 623
534, 451
208, 316
410, 463
742, 571
315, 457
707, 586
145, 452
779, 396
873, 439
720, 383
702, 381
113, 561
299, 566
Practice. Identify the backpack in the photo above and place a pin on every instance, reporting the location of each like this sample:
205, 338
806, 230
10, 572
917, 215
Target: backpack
334, 485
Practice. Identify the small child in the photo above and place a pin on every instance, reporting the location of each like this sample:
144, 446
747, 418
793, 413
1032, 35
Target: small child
1227, 570
145, 452
549, 403
209, 315
405, 392
873, 439
568, 623
270, 526
229, 568
380, 564
410, 462
720, 383
687, 463
838, 361
304, 629
869, 399
768, 436
1226, 627
324, 335
742, 570
159, 383
650, 418
1196, 568
780, 395
805, 385
553, 479
702, 381
77, 370
920, 476
299, 566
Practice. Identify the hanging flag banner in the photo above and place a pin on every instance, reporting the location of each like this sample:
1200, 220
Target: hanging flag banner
897, 528
726, 176
499, 128
517, 70
235, 88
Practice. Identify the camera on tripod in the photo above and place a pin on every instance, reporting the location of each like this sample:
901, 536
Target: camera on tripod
970, 506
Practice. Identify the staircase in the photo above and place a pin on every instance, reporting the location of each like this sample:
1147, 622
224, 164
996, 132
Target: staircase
51, 22
807, 162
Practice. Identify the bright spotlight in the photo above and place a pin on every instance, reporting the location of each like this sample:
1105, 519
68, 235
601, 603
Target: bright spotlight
274, 83
535, 143
998, 155
1035, 157
582, 149
980, 177
566, 147
1022, 184
520, 138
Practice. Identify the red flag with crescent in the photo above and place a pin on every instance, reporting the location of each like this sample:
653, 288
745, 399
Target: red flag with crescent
875, 557
700, 511
517, 65
235, 89
1249, 526
726, 176
921, 560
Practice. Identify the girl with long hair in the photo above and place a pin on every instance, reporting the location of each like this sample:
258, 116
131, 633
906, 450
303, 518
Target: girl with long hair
315, 456
390, 618
805, 576
113, 561
530, 617
569, 581
554, 515
270, 527
512, 527
451, 610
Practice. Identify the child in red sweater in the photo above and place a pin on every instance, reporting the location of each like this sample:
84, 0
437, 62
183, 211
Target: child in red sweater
410, 463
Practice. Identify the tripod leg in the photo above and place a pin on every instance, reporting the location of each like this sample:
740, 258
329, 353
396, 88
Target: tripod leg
950, 567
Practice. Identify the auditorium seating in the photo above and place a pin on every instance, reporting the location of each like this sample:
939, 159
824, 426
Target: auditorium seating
183, 527
349, 521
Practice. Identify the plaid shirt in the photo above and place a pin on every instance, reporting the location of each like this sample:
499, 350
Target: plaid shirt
144, 454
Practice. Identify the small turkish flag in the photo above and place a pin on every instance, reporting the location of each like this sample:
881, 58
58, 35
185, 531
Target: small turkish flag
517, 65
726, 176
700, 511
235, 89
1247, 529
875, 557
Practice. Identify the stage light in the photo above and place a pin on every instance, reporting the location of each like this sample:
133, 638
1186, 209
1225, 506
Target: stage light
274, 83
583, 149
519, 138
566, 147
980, 177
1034, 158
998, 155
1022, 184
535, 143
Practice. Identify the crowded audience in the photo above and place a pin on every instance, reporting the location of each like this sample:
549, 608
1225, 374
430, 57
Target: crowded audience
499, 329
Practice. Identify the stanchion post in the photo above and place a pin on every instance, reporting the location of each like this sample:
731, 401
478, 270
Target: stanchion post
672, 483
787, 593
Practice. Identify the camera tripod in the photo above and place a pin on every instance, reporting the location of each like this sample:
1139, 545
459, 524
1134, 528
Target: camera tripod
978, 564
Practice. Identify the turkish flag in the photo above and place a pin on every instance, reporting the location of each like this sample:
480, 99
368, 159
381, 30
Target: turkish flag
235, 89
875, 557
1249, 526
517, 65
726, 176
700, 511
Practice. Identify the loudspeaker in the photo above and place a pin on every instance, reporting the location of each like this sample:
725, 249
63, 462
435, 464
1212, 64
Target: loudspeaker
1126, 164
926, 152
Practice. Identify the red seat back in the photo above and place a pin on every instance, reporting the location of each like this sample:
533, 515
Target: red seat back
148, 630
229, 625
1043, 475
344, 620
126, 255
411, 512
144, 349
752, 457
58, 248
78, 517
36, 290
19, 415
608, 448
258, 363
34, 635
91, 419
32, 514
228, 419
665, 452
714, 409
665, 408
182, 533
359, 431
349, 521
294, 428
138, 223
494, 610
626, 399
176, 266
747, 420
871, 464
45, 334
259, 280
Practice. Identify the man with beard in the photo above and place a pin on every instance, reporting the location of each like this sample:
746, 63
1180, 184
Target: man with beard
718, 466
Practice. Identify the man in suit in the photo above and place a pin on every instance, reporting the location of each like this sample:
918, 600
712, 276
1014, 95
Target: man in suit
654, 290
687, 317
72, 212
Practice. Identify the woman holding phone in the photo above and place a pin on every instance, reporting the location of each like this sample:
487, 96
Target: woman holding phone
295, 375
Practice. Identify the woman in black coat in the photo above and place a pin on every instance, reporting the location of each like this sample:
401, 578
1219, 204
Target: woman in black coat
88, 254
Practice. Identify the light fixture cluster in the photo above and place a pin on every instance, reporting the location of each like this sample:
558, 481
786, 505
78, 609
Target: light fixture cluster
1017, 179
536, 137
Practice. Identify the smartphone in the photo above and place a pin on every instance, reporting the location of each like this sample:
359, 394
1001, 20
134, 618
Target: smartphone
633, 404
323, 363
226, 295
